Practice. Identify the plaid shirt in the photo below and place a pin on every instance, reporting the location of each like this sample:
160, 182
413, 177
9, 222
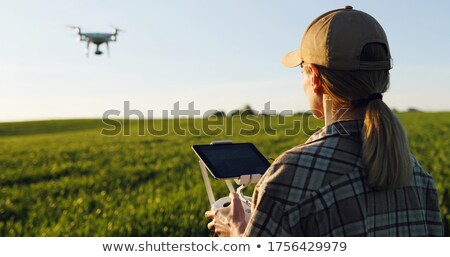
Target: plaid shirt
320, 188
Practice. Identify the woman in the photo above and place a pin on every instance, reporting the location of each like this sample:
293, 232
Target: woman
356, 176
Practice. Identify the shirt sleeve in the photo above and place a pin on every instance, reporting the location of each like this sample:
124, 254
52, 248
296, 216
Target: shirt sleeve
435, 226
276, 193
268, 217
270, 202
433, 216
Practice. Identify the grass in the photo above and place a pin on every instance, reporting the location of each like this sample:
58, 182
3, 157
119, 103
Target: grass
63, 178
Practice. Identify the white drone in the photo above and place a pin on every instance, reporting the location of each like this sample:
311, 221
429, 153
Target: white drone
96, 38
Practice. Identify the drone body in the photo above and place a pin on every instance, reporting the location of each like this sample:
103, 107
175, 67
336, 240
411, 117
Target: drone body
96, 39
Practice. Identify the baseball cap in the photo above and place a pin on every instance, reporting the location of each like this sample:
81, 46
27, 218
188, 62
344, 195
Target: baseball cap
336, 39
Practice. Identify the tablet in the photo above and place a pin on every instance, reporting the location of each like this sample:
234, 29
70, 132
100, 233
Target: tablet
226, 161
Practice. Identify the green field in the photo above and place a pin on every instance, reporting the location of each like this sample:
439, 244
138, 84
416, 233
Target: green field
63, 178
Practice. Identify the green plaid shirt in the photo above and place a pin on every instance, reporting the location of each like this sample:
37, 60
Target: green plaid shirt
320, 188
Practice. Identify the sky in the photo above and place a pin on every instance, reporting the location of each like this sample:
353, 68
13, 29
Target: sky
217, 54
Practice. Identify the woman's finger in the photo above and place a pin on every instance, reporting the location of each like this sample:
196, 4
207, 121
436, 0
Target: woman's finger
222, 230
211, 225
210, 214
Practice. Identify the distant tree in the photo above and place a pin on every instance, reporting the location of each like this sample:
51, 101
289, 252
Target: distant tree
235, 113
219, 114
413, 110
248, 110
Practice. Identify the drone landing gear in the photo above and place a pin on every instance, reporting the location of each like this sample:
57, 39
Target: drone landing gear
97, 51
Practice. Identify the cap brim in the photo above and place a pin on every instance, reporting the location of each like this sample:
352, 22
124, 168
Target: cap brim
292, 59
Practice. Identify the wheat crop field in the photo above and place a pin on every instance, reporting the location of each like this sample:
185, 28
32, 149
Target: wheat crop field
64, 178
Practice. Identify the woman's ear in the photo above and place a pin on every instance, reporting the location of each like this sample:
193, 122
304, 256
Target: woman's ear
316, 82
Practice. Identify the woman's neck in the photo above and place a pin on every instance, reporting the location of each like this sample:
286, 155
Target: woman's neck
334, 112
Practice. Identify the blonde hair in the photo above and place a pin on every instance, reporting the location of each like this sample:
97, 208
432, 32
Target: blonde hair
385, 148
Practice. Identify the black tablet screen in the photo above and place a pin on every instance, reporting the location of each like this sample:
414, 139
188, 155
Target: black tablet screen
232, 160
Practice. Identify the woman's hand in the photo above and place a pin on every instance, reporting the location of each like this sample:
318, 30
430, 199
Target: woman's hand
228, 221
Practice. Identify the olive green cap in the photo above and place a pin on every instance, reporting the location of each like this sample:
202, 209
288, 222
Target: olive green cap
335, 40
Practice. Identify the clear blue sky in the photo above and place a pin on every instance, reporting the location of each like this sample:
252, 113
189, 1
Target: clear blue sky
219, 54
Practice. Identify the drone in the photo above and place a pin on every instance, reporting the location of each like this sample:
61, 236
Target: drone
96, 38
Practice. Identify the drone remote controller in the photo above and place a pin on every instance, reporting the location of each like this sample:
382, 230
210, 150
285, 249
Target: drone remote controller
242, 181
226, 201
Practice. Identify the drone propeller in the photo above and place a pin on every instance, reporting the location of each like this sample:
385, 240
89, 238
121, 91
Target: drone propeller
77, 29
116, 29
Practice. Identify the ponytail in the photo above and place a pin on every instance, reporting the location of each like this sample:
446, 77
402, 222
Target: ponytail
385, 149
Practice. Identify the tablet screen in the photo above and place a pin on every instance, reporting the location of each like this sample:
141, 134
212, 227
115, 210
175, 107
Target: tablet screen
232, 160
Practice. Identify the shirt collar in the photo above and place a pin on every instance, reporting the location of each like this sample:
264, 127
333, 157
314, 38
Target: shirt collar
341, 128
